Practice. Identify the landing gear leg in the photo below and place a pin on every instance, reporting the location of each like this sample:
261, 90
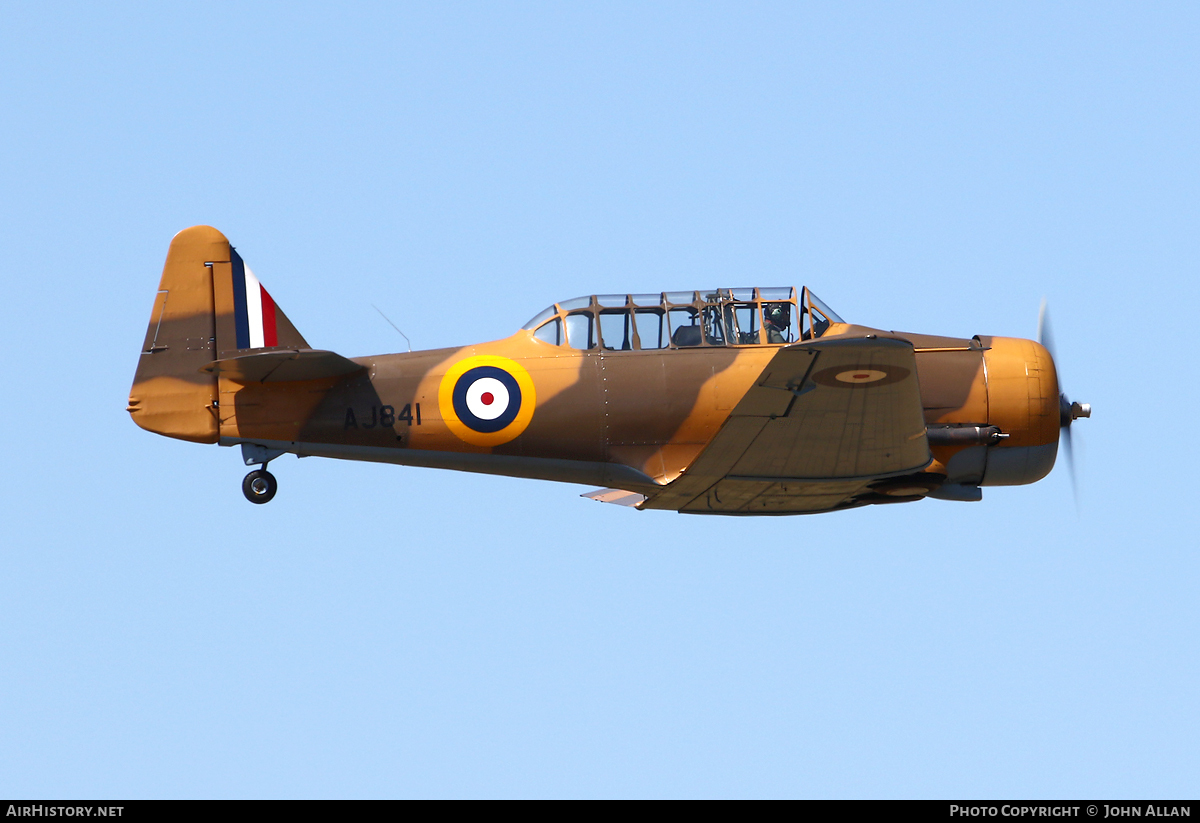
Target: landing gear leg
260, 485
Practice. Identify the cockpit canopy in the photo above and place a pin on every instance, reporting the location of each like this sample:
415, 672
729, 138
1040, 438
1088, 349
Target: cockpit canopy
684, 319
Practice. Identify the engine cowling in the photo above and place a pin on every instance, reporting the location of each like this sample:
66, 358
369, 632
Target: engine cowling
1023, 401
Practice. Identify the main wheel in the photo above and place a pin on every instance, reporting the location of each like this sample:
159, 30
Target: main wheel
259, 486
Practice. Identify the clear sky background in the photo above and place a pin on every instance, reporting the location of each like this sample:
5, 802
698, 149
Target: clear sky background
387, 631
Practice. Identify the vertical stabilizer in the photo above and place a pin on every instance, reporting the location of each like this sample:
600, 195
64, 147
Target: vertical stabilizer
209, 306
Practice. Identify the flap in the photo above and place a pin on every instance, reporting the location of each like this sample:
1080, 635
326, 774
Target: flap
283, 365
823, 420
617, 496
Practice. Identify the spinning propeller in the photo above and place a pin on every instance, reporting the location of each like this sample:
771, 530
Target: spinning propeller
1068, 411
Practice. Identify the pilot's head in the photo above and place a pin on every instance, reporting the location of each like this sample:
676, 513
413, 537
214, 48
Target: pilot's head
777, 314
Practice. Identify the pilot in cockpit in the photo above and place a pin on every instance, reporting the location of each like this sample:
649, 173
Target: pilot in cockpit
777, 319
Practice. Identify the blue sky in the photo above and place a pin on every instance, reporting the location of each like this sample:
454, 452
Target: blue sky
384, 631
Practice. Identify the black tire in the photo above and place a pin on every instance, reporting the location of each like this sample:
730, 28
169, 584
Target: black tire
259, 486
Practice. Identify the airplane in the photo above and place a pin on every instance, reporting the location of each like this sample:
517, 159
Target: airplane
735, 401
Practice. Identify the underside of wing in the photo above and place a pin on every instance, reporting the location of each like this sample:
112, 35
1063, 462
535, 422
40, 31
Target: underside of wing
824, 421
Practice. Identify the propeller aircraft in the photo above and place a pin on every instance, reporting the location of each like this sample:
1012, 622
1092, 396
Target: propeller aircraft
736, 401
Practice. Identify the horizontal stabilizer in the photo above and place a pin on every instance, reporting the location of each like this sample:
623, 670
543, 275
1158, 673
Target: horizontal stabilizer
283, 366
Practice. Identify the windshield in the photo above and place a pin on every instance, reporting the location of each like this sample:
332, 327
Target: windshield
816, 317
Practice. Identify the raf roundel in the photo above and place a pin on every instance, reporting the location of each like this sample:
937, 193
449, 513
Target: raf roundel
843, 377
860, 376
486, 400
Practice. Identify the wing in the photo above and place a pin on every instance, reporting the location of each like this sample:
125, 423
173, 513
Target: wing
824, 420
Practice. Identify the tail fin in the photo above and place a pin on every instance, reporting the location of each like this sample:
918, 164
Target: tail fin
209, 306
